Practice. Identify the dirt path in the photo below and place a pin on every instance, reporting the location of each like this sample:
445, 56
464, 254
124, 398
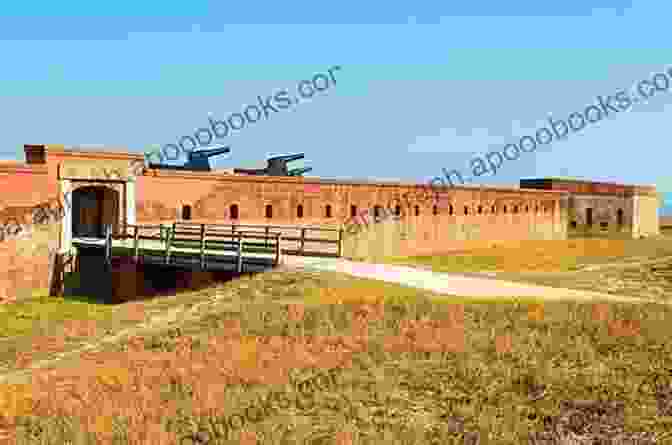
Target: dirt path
451, 283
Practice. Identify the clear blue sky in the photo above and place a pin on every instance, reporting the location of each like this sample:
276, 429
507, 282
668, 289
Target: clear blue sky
423, 85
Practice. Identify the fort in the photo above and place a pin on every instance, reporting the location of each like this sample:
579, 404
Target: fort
431, 219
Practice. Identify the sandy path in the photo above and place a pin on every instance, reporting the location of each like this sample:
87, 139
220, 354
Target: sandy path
450, 283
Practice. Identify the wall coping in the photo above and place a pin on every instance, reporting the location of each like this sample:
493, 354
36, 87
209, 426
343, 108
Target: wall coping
75, 151
627, 188
17, 167
226, 177
579, 180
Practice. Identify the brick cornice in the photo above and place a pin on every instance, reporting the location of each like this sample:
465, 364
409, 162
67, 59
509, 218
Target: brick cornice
324, 182
22, 168
65, 152
584, 187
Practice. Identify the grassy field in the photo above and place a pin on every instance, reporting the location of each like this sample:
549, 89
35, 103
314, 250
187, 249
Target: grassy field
634, 268
546, 256
407, 367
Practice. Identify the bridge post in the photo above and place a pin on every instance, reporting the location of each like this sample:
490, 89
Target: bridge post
202, 246
340, 241
278, 238
240, 253
108, 243
135, 243
169, 240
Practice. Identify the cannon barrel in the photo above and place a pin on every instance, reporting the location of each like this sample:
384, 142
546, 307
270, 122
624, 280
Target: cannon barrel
201, 154
196, 160
200, 160
287, 158
250, 171
299, 171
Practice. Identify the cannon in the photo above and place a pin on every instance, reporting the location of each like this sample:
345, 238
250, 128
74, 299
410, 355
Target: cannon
196, 160
299, 171
199, 160
276, 166
284, 159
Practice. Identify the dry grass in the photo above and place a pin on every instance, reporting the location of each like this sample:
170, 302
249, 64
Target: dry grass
647, 281
410, 370
40, 325
634, 268
546, 256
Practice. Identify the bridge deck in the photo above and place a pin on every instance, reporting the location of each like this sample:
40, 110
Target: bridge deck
207, 247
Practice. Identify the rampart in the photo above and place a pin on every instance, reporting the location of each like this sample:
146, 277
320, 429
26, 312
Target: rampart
427, 219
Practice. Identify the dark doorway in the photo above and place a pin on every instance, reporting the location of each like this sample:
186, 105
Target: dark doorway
233, 211
619, 217
186, 212
589, 217
92, 208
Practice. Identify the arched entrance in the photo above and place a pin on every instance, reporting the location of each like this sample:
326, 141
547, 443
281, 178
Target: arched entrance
92, 208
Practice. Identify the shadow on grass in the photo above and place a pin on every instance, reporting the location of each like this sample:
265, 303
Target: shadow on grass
73, 292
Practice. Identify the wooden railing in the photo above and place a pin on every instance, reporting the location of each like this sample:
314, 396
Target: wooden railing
301, 237
200, 237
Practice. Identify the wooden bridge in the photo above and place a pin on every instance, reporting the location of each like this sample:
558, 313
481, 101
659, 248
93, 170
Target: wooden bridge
212, 246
